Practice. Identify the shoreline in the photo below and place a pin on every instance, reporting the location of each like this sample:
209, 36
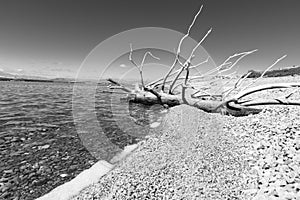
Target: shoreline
173, 150
87, 177
241, 159
33, 166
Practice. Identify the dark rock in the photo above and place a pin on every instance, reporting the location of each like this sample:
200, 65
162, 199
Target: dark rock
8, 171
8, 138
15, 139
41, 181
31, 175
23, 167
17, 153
72, 168
5, 195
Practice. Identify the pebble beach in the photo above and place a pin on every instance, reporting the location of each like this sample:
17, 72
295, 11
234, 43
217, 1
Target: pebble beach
196, 155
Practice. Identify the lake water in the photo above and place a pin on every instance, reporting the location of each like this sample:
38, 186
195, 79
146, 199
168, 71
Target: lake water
51, 132
26, 106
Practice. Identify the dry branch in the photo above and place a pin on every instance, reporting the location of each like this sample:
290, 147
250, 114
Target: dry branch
265, 87
179, 47
278, 101
293, 92
156, 82
226, 62
279, 59
121, 86
140, 67
187, 63
215, 103
236, 85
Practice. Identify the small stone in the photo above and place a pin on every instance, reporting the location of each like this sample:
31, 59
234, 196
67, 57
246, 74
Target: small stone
8, 138
63, 175
40, 182
31, 175
8, 171
4, 195
154, 125
280, 183
23, 167
15, 139
280, 161
250, 191
44, 147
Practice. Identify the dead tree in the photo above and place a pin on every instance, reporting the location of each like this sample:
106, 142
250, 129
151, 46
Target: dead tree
165, 90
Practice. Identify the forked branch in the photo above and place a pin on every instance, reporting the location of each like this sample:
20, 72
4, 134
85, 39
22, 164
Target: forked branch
179, 47
140, 67
187, 63
279, 59
226, 65
202, 97
265, 87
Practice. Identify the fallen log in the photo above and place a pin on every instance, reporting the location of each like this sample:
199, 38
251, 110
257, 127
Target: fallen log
156, 92
210, 106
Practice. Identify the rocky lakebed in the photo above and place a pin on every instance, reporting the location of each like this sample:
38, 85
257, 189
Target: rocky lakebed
40, 148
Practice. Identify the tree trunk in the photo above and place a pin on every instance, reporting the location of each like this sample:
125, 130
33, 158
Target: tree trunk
211, 106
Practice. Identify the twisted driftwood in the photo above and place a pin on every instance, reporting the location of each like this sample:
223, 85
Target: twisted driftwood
164, 90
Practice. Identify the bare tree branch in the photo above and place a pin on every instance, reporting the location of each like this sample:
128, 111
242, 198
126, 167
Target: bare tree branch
121, 86
279, 59
130, 57
247, 92
213, 103
291, 94
187, 63
179, 47
140, 67
113, 92
175, 72
277, 101
237, 84
136, 65
145, 55
226, 62
205, 94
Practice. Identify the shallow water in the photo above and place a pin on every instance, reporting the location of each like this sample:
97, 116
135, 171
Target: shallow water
29, 106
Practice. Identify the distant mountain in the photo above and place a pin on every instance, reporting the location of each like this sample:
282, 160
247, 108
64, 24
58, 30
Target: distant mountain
6, 75
289, 71
20, 76
68, 80
30, 77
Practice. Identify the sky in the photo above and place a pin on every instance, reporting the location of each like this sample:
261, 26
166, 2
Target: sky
52, 38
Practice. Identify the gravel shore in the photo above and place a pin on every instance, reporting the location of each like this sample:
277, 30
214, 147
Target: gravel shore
196, 155
272, 143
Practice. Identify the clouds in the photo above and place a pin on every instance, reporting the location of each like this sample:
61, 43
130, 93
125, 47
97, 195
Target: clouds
1, 70
60, 69
123, 65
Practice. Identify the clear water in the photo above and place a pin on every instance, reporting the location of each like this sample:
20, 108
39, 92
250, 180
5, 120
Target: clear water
28, 105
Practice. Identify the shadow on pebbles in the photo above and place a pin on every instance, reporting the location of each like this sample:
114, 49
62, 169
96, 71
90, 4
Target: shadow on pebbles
195, 155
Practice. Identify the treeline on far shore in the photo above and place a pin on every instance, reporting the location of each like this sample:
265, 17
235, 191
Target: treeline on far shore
36, 80
295, 70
